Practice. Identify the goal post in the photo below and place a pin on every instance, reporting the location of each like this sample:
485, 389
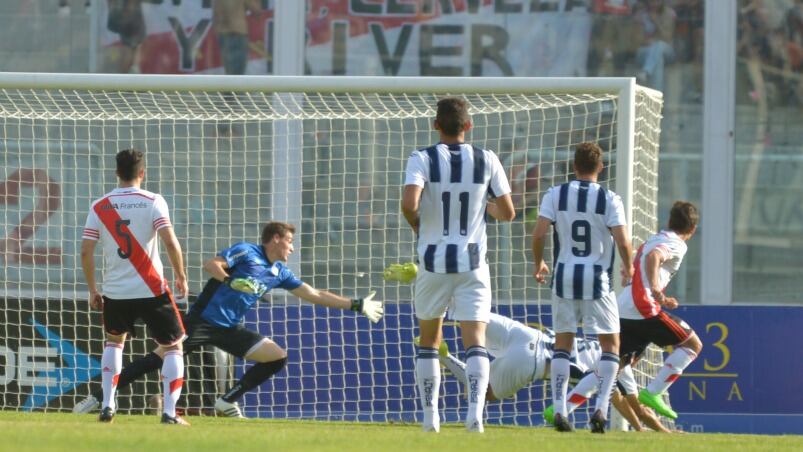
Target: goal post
326, 153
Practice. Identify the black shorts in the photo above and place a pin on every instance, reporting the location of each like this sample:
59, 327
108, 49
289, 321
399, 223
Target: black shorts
663, 330
237, 340
160, 315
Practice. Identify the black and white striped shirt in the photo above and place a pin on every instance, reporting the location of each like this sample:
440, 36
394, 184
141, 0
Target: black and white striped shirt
457, 180
582, 214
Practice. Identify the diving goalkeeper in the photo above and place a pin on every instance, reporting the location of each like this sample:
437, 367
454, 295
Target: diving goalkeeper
241, 275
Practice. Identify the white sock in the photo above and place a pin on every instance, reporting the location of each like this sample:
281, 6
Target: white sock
455, 366
172, 380
112, 364
585, 388
478, 369
672, 369
428, 378
559, 379
607, 368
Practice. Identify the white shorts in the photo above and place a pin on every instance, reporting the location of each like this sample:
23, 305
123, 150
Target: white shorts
466, 295
519, 367
600, 316
627, 381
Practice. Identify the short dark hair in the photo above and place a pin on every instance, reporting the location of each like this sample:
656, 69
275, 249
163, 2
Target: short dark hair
587, 157
129, 163
276, 227
452, 115
683, 217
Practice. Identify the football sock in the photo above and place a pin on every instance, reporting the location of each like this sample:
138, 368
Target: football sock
672, 369
254, 377
428, 378
559, 379
172, 380
111, 363
477, 374
607, 368
455, 366
585, 388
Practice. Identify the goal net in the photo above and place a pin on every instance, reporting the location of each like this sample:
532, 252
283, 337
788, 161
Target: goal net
327, 154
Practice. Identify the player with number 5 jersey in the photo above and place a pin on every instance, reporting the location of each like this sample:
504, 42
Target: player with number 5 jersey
588, 220
126, 222
448, 189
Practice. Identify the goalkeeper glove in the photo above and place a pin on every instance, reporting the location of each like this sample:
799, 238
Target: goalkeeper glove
368, 307
247, 285
403, 273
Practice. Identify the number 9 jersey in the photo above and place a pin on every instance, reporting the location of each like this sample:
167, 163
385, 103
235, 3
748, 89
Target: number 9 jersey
582, 214
125, 221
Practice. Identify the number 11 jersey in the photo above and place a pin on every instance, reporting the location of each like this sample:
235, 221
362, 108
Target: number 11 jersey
582, 214
457, 180
125, 221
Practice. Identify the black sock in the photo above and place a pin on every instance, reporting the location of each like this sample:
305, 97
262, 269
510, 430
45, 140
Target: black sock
257, 374
136, 369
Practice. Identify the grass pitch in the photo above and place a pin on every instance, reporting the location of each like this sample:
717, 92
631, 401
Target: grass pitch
68, 432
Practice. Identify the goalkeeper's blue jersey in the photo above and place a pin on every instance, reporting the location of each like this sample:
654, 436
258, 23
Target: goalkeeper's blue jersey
227, 307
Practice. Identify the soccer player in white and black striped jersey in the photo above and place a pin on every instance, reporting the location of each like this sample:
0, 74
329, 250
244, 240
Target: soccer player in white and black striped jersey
446, 196
587, 219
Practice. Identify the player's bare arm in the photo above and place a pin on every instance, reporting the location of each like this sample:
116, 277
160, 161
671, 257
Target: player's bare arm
367, 306
539, 241
653, 263
88, 265
622, 239
411, 200
168, 237
501, 208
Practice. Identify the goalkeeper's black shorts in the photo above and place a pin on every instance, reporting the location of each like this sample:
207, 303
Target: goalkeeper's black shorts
237, 340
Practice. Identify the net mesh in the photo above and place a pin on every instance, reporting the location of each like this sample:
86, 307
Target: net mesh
331, 163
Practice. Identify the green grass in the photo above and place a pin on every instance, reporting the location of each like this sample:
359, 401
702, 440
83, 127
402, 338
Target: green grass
68, 432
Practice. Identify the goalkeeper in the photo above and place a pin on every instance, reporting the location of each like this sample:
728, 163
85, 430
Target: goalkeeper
241, 275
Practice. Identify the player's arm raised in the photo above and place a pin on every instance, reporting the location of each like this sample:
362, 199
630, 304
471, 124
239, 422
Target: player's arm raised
173, 248
539, 241
367, 306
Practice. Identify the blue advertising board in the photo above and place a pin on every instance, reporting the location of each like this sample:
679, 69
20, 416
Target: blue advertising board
342, 367
747, 378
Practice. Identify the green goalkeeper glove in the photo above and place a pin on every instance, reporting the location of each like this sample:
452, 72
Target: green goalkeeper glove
368, 307
247, 285
403, 273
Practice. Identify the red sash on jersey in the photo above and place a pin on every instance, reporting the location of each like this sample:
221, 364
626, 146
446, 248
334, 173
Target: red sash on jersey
643, 301
139, 258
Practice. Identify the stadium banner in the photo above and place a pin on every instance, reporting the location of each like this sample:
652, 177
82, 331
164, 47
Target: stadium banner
366, 37
745, 379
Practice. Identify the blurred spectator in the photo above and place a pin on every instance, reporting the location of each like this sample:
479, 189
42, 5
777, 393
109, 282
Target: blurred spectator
228, 18
689, 39
126, 19
794, 49
657, 24
231, 27
612, 32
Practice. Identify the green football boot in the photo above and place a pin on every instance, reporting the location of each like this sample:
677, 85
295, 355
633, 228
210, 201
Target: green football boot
656, 402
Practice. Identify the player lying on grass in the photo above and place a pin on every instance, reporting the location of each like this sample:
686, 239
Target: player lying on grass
241, 276
522, 356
